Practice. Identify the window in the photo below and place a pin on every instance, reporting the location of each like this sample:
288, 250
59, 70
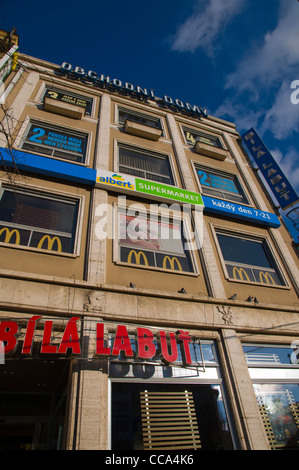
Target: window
70, 98
192, 136
150, 166
271, 355
249, 259
153, 242
158, 407
221, 185
124, 114
56, 142
275, 381
37, 221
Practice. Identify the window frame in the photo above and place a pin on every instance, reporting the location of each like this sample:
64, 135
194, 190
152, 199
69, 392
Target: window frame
207, 373
253, 237
30, 120
63, 87
60, 197
274, 379
145, 151
260, 364
181, 218
202, 133
141, 114
226, 174
57, 89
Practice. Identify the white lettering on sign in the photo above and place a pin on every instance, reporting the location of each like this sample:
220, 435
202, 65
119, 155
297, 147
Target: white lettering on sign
115, 84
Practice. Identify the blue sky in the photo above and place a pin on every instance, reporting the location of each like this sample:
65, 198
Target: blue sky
237, 58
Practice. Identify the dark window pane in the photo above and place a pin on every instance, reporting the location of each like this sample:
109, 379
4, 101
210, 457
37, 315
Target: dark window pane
193, 136
142, 119
49, 139
210, 420
135, 256
177, 263
70, 98
146, 165
222, 186
15, 236
241, 250
45, 241
53, 218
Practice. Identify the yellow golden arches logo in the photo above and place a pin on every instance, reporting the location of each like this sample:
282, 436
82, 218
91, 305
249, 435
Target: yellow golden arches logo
51, 242
172, 261
137, 257
241, 272
9, 234
266, 278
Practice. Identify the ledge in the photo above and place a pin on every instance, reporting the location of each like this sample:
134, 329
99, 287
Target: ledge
141, 130
64, 109
90, 286
210, 151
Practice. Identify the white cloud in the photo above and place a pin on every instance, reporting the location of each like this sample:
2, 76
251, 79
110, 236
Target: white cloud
243, 115
260, 87
275, 58
282, 119
203, 27
289, 165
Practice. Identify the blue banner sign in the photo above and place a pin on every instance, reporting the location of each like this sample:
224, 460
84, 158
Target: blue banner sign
277, 181
241, 212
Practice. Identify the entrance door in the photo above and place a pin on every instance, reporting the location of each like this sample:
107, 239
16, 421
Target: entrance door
32, 403
165, 416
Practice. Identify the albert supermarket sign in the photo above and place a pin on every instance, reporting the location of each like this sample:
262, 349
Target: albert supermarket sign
126, 183
146, 341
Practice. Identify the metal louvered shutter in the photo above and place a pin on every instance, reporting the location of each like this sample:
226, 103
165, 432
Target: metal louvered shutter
169, 420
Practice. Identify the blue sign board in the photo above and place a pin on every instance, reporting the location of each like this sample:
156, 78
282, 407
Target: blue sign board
88, 176
237, 211
277, 181
49, 166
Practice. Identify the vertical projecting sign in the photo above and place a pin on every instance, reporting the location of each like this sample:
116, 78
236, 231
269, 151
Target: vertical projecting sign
280, 186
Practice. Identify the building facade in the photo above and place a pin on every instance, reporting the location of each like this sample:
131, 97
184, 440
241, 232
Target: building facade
149, 288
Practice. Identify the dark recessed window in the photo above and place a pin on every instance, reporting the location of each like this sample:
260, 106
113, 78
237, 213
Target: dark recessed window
124, 114
56, 142
70, 98
249, 260
38, 222
220, 185
192, 136
145, 165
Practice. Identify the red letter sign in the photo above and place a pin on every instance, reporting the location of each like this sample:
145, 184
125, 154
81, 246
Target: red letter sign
28, 340
8, 330
122, 342
70, 339
46, 347
146, 347
166, 357
185, 339
100, 349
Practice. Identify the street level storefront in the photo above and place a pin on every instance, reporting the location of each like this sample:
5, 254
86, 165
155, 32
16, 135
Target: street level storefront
33, 387
163, 389
158, 406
